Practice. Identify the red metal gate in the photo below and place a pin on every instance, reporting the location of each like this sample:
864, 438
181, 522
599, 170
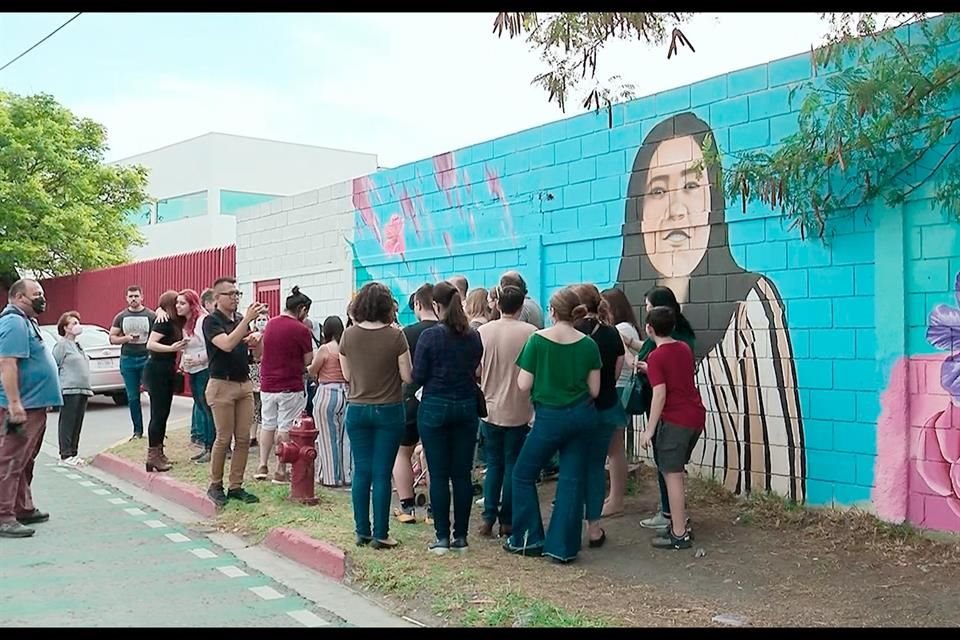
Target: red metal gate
268, 292
99, 295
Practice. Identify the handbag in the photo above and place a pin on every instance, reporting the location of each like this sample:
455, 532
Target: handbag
481, 403
636, 395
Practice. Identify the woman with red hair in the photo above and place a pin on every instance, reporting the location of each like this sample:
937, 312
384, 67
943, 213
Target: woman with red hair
195, 364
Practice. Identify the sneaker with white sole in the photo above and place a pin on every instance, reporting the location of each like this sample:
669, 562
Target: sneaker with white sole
658, 521
439, 547
78, 461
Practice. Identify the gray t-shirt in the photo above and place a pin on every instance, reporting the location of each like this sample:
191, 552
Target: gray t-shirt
73, 367
531, 313
137, 323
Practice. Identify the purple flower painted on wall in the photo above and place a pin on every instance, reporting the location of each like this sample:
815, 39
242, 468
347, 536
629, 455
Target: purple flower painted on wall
943, 332
938, 445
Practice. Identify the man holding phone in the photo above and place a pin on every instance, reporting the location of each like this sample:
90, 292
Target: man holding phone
130, 329
29, 386
230, 391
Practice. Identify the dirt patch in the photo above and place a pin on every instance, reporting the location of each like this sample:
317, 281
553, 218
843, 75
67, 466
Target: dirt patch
761, 560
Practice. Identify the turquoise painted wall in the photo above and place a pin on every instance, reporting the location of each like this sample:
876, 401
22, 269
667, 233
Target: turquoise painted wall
553, 201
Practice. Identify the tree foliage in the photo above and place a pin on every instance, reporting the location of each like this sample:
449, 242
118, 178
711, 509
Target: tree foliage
569, 44
876, 123
62, 209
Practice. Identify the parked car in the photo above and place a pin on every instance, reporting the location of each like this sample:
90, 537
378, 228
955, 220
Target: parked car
105, 375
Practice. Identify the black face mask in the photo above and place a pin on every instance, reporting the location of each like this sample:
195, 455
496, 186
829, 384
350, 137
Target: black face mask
39, 304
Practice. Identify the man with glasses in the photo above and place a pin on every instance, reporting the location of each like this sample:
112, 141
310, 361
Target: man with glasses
29, 386
229, 392
131, 328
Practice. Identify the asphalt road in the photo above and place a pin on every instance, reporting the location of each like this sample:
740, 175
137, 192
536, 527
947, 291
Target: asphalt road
106, 424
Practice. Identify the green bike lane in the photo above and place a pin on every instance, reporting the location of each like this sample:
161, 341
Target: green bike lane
105, 560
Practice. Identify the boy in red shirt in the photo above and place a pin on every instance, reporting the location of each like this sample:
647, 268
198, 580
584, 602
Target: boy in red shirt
677, 418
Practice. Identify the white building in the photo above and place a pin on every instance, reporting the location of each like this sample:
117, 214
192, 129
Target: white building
301, 240
196, 186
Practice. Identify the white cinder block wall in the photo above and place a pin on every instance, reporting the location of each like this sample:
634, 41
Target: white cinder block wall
302, 241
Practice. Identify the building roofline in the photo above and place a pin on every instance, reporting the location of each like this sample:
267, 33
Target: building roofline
233, 135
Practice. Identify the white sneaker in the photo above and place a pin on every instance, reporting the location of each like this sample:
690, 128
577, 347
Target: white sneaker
658, 521
65, 462
78, 461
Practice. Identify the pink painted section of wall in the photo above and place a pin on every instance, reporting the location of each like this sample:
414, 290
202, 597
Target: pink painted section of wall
923, 477
890, 492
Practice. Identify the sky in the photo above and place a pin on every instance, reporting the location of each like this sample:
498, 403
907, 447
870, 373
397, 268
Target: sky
403, 86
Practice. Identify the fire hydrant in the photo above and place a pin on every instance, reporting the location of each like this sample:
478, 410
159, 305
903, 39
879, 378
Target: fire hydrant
301, 452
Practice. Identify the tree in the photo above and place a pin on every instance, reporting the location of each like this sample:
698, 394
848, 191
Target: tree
61, 209
879, 126
570, 43
876, 121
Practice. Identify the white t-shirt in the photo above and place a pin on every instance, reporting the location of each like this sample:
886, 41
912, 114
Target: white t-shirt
195, 352
626, 329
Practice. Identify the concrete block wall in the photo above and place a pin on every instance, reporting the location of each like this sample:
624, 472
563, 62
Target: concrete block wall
303, 241
814, 358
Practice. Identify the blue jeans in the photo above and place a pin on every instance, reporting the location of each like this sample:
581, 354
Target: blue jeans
608, 421
375, 431
448, 431
501, 447
202, 415
131, 370
195, 435
567, 430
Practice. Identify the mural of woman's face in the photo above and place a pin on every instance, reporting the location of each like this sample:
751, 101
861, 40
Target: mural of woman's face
676, 208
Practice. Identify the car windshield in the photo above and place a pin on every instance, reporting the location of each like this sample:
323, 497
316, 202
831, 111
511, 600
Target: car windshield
93, 337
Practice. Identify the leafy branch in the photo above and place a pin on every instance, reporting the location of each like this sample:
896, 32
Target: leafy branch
877, 122
570, 43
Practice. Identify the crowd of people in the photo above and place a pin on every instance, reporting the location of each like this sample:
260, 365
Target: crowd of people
477, 366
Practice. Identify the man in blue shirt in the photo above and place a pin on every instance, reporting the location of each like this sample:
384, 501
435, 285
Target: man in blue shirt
29, 386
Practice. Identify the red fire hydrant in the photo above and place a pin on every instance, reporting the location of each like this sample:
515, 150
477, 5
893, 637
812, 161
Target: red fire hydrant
301, 451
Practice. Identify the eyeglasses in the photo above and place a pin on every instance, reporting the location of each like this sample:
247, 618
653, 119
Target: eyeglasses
233, 294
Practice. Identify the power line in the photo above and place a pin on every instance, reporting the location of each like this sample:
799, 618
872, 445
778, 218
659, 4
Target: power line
47, 37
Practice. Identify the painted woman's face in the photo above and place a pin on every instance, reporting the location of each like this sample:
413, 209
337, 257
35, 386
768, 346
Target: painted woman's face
676, 208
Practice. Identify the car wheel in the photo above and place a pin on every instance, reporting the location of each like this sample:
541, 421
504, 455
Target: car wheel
120, 399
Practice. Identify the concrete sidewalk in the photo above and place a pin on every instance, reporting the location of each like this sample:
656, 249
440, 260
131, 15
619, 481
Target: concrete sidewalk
107, 558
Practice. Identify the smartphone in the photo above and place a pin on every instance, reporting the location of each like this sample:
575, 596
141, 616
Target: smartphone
10, 426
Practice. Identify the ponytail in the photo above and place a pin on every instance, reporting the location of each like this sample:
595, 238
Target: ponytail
448, 297
296, 301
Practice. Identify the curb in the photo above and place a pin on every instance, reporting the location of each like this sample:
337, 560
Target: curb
303, 549
293, 544
173, 490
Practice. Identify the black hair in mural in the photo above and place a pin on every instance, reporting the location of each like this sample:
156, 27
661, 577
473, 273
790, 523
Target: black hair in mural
718, 282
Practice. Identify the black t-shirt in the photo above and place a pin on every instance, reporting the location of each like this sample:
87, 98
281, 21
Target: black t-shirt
611, 347
412, 334
225, 365
170, 336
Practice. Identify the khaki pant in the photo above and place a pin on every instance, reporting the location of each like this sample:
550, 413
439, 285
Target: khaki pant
232, 407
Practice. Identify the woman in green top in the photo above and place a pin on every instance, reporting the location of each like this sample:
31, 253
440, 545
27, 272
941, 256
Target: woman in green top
561, 368
662, 297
